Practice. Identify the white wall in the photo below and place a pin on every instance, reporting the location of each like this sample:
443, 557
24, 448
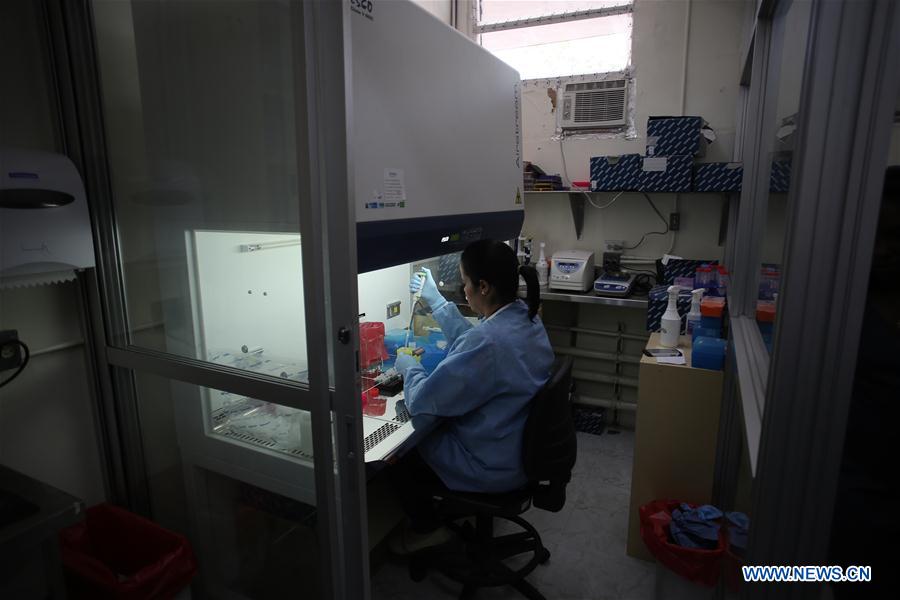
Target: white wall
377, 289
439, 8
47, 426
710, 78
46, 415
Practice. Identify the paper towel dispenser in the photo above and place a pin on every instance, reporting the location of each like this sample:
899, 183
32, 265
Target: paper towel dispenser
45, 227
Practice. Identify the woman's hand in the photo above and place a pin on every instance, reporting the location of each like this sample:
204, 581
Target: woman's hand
405, 360
423, 282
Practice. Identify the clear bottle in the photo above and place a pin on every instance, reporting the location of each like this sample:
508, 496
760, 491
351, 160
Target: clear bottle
694, 317
543, 269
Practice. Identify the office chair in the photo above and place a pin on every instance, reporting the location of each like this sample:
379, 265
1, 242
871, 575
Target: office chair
548, 450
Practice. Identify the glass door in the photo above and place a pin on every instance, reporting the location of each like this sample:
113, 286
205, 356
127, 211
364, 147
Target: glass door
229, 284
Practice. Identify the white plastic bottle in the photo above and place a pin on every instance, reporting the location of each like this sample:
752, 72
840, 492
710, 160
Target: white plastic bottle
670, 324
543, 269
693, 317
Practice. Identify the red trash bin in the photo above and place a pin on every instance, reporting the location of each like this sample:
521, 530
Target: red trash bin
114, 553
695, 564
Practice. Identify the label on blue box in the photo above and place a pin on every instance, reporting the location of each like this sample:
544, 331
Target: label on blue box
666, 174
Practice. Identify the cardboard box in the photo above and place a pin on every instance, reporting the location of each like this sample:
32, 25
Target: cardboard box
616, 173
718, 177
666, 174
673, 136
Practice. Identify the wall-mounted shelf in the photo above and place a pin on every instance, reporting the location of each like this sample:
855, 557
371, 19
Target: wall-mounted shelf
577, 200
576, 203
562, 192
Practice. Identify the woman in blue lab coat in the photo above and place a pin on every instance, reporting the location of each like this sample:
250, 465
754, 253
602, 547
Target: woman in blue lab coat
482, 388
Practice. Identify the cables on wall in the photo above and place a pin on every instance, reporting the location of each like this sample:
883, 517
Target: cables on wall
562, 156
25, 358
659, 214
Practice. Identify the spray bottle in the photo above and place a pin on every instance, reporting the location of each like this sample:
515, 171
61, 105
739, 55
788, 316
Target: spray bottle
670, 324
543, 269
693, 317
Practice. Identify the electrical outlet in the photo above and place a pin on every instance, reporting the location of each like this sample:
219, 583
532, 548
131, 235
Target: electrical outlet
614, 245
10, 351
393, 309
674, 221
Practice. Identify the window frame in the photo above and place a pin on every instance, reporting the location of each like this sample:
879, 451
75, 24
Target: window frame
475, 31
804, 385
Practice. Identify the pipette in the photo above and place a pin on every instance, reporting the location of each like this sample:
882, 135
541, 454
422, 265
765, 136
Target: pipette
412, 307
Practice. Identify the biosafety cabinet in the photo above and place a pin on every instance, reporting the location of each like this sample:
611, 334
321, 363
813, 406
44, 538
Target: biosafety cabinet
436, 163
246, 142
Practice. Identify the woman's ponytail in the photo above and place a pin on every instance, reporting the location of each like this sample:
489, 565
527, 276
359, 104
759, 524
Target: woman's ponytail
533, 294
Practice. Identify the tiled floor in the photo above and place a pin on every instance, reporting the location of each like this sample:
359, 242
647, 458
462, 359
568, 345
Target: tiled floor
586, 539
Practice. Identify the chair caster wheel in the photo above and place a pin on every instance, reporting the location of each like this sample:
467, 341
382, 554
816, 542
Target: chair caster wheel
543, 556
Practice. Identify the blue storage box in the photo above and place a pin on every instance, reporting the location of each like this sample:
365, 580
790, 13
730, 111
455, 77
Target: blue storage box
672, 136
658, 300
681, 267
666, 174
767, 331
615, 173
704, 332
708, 353
711, 323
780, 177
718, 177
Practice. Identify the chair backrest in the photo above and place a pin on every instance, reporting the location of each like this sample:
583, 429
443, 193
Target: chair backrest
549, 446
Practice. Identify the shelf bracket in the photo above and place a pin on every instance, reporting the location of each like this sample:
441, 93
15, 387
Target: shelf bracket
576, 202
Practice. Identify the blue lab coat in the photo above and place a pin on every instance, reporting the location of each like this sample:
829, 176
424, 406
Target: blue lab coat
482, 388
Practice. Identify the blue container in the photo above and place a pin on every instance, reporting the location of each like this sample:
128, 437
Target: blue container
708, 353
704, 332
718, 177
669, 136
711, 323
666, 174
615, 173
767, 330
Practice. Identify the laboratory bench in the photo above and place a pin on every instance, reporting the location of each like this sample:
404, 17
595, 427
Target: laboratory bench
676, 433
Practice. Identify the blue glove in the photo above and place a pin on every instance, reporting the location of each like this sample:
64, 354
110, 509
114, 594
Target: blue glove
428, 287
404, 362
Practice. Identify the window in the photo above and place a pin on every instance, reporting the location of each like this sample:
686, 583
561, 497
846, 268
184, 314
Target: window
557, 38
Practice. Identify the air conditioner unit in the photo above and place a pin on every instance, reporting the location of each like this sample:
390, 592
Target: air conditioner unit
601, 103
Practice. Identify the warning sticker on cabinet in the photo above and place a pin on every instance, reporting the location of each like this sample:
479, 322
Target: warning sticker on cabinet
394, 186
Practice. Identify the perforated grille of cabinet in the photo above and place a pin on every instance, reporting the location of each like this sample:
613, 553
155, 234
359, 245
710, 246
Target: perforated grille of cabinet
377, 436
402, 413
